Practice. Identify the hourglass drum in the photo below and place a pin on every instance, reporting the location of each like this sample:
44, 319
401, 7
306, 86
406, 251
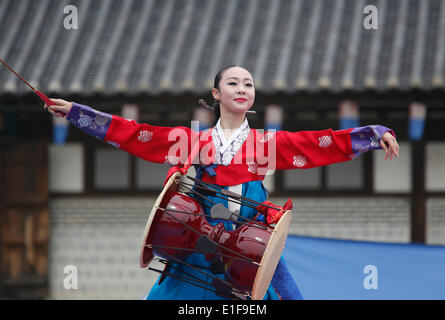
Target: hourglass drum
177, 226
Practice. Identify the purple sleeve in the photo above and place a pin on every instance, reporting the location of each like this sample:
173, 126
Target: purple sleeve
91, 121
367, 138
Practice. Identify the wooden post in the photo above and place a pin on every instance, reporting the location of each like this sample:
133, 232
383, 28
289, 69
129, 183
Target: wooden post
418, 197
1, 210
24, 220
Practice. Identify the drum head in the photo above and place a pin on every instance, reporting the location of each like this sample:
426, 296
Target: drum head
146, 252
271, 257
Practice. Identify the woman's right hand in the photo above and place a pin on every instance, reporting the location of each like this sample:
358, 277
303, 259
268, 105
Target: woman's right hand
60, 108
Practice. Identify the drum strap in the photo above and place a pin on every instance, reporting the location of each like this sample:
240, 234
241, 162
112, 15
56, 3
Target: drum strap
209, 169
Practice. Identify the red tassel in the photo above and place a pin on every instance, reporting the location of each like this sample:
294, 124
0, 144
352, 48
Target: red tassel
288, 205
48, 101
44, 98
273, 215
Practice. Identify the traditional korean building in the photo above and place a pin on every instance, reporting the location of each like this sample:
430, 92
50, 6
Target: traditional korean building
75, 201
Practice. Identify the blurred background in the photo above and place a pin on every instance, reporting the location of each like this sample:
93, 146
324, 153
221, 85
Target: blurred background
68, 199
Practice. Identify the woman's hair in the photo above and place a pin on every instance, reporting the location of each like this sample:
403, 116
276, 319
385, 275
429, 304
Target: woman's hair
215, 106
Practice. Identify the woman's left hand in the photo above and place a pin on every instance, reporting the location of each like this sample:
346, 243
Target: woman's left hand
390, 145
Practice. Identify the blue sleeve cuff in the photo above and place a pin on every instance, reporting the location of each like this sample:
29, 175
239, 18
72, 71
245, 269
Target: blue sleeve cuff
91, 121
367, 138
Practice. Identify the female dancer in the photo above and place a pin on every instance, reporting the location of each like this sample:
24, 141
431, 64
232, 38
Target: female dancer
230, 155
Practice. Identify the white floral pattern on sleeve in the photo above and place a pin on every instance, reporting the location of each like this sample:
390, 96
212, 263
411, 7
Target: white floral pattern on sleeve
252, 167
299, 161
325, 141
145, 135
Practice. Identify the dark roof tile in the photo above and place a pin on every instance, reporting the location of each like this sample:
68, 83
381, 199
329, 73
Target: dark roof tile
157, 46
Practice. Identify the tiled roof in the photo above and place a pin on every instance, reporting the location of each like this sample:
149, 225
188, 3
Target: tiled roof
177, 46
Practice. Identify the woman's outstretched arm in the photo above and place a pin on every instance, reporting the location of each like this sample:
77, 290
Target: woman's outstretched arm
308, 149
151, 143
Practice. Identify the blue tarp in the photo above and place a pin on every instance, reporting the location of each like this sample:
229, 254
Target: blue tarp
339, 269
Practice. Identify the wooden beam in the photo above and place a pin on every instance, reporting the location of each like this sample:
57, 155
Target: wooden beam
418, 197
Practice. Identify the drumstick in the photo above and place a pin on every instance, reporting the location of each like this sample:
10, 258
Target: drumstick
230, 194
257, 224
41, 95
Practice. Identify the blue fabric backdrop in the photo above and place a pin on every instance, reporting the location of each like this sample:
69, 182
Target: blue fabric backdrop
335, 269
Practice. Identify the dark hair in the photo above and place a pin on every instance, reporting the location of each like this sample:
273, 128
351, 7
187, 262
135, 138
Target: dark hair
215, 106
218, 77
220, 73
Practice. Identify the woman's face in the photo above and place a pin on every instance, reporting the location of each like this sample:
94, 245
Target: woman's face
236, 92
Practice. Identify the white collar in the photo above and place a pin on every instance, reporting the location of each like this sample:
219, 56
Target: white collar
226, 150
222, 137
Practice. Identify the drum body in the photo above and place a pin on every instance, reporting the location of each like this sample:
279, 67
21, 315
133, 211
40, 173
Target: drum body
249, 257
251, 242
